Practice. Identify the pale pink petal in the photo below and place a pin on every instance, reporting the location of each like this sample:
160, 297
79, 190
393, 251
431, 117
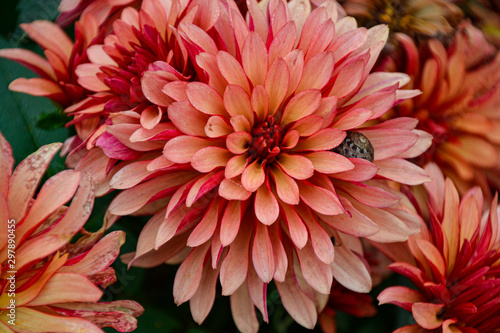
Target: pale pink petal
243, 310
206, 227
253, 176
30, 320
363, 170
401, 296
296, 166
277, 82
230, 222
324, 139
320, 199
182, 148
262, 253
297, 229
237, 102
350, 270
368, 195
254, 59
239, 142
217, 126
232, 70
317, 72
301, 105
402, 171
209, 158
286, 187
232, 189
328, 162
205, 98
187, 119
307, 126
317, 274
320, 240
266, 206
353, 118
201, 303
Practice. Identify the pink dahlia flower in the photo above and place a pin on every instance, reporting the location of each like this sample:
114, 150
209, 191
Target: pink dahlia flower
454, 264
458, 106
72, 10
55, 285
274, 158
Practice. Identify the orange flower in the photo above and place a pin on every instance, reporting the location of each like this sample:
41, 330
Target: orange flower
273, 161
54, 284
458, 106
455, 264
420, 18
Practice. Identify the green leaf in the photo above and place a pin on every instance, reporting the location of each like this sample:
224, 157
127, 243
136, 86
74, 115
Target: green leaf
20, 114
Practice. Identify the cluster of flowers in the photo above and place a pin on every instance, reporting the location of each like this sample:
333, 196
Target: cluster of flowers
271, 142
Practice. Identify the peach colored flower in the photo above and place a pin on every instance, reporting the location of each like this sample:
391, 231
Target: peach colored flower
72, 10
57, 284
417, 18
454, 264
458, 106
253, 188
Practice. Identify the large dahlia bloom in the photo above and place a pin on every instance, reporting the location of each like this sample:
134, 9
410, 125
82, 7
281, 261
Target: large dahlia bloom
454, 264
72, 10
272, 161
48, 284
458, 106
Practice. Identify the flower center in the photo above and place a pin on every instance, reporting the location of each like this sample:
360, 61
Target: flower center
266, 141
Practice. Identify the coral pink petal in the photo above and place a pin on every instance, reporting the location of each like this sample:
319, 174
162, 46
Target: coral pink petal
39, 87
320, 240
317, 72
328, 162
130, 175
286, 187
231, 189
243, 310
201, 303
151, 116
30, 59
232, 70
353, 119
296, 166
52, 38
206, 227
277, 82
390, 142
187, 119
254, 59
320, 199
363, 170
235, 166
317, 274
30, 320
205, 98
237, 102
262, 253
260, 102
182, 148
152, 83
297, 229
369, 195
239, 142
217, 126
230, 222
188, 276
301, 105
348, 79
26, 177
350, 270
324, 139
257, 290
253, 176
401, 296
427, 315
266, 205
402, 171
209, 158
307, 126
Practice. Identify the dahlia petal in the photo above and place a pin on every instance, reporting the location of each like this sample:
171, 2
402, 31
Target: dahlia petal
99, 257
130, 175
280, 256
198, 37
56, 191
259, 19
320, 199
53, 38
208, 62
423, 143
31, 60
30, 320
328, 162
348, 79
176, 90
369, 195
391, 228
147, 237
237, 102
363, 170
201, 303
232, 70
297, 229
321, 242
133, 199
466, 147
87, 77
350, 271
296, 303
286, 187
209, 158
67, 287
152, 83
325, 139
254, 59
427, 315
253, 176
230, 189
6, 165
401, 296
234, 268
243, 311
402, 171
188, 277
169, 225
187, 119
432, 254
151, 116
317, 274
257, 290
205, 98
296, 166
260, 102
378, 81
277, 83
262, 253
217, 126
353, 119
203, 185
4, 215
307, 126
216, 249
290, 139
301, 105
348, 41
235, 166
390, 142
317, 72
266, 206
230, 222
206, 227
283, 42
182, 148
240, 123
353, 223
295, 62
40, 87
